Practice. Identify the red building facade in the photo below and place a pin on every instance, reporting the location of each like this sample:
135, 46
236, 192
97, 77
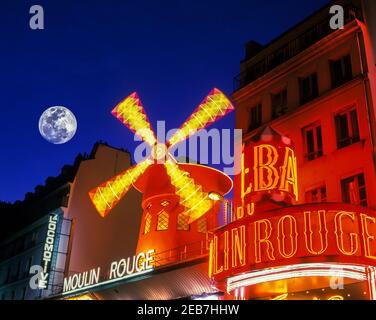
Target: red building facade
316, 87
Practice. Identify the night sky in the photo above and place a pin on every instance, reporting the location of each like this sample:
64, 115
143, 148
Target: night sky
92, 54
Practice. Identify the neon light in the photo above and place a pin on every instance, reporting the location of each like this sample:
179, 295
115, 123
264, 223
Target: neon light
83, 297
191, 195
106, 196
297, 271
131, 113
107, 282
281, 297
211, 254
338, 297
371, 271
48, 251
269, 166
214, 106
238, 246
250, 208
282, 236
339, 233
289, 172
216, 270
367, 238
226, 250
259, 240
308, 230
244, 172
119, 270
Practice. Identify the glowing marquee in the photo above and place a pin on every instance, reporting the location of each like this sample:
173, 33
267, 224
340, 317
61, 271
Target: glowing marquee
268, 172
316, 232
119, 270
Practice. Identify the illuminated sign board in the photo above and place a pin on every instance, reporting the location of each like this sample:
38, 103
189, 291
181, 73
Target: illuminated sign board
119, 270
48, 251
268, 173
310, 233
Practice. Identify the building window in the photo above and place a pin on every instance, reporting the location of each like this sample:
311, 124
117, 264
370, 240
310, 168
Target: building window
163, 218
255, 117
354, 190
309, 88
202, 225
279, 104
313, 142
341, 71
316, 195
347, 129
183, 222
165, 203
147, 225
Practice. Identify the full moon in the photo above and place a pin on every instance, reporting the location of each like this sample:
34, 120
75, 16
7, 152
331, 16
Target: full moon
57, 125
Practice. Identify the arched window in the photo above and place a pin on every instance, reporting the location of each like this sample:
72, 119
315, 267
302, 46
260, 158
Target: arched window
147, 223
183, 222
163, 218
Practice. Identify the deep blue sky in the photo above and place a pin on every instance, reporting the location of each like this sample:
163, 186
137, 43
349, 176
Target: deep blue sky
94, 53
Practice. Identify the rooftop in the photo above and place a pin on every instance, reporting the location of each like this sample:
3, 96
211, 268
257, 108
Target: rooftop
261, 59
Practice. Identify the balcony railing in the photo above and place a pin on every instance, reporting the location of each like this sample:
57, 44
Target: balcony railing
292, 48
182, 254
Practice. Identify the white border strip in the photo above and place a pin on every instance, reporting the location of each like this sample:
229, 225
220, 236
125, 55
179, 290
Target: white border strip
297, 271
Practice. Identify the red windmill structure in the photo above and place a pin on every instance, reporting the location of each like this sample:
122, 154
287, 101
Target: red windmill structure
177, 197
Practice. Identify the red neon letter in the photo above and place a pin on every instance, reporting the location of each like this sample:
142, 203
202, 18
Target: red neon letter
322, 232
338, 221
259, 240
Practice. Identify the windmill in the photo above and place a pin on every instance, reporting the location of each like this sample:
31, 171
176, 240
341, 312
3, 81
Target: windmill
131, 113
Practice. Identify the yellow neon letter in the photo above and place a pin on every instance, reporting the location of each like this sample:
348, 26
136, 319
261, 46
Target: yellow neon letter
367, 237
339, 233
289, 173
216, 270
238, 246
259, 167
308, 232
293, 235
259, 240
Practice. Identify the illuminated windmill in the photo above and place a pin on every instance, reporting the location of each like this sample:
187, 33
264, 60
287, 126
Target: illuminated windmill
191, 195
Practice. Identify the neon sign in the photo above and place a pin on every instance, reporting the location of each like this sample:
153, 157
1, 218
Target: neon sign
315, 232
268, 172
119, 270
48, 251
267, 175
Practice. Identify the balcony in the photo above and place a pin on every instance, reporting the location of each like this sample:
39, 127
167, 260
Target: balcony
292, 48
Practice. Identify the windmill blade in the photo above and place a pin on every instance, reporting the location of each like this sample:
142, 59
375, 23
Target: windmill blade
106, 196
132, 114
214, 106
191, 195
